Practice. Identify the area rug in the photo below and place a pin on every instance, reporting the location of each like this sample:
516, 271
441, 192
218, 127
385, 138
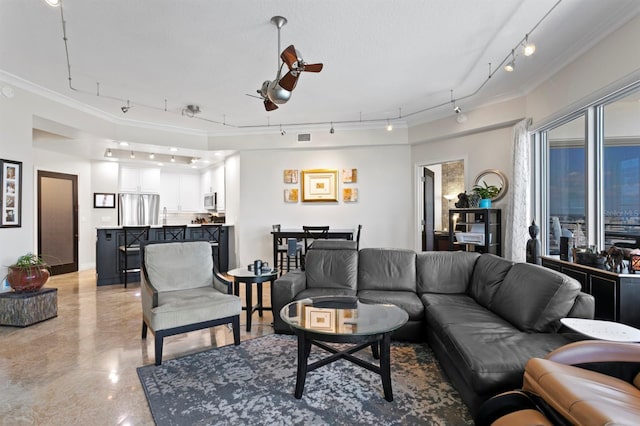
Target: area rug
253, 383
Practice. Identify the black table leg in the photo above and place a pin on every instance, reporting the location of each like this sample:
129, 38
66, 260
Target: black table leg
385, 366
248, 291
260, 308
375, 350
304, 348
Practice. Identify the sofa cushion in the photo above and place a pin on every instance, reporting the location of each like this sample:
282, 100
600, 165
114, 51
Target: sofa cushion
406, 300
332, 268
319, 291
488, 275
387, 269
492, 359
534, 298
444, 271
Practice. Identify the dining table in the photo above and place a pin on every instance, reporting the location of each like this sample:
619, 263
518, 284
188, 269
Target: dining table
298, 233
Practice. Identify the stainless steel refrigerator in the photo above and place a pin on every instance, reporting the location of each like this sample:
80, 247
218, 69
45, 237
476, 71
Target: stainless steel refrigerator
138, 209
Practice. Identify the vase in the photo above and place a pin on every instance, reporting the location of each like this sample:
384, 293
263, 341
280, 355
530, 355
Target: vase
485, 203
25, 280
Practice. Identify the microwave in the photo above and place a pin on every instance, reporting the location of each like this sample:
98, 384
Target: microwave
211, 201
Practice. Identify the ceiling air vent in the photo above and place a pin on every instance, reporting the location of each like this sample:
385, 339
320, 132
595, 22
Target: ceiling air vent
304, 137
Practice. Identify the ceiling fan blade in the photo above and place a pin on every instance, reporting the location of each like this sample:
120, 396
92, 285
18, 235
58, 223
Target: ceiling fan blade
289, 56
269, 106
313, 67
289, 81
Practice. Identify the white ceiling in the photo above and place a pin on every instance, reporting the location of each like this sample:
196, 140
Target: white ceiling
382, 58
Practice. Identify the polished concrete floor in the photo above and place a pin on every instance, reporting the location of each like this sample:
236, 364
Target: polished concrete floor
80, 367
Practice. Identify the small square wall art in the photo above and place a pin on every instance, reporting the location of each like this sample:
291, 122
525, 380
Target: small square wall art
349, 175
291, 176
349, 195
291, 195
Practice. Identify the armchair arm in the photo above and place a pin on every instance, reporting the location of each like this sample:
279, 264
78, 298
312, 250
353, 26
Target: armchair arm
590, 351
148, 293
221, 282
283, 291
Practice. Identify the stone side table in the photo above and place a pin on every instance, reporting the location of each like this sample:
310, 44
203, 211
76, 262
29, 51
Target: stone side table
24, 309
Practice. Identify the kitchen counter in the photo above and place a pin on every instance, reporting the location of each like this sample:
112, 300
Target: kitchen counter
109, 238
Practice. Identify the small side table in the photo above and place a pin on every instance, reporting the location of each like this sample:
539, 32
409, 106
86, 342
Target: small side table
603, 330
24, 309
244, 275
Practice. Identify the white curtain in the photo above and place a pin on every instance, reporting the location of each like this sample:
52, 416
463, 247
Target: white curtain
519, 196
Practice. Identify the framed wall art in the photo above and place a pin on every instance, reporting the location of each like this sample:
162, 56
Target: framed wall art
319, 185
291, 176
291, 195
11, 184
350, 195
349, 175
102, 200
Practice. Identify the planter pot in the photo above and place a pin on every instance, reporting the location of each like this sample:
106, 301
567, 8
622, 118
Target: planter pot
23, 280
485, 203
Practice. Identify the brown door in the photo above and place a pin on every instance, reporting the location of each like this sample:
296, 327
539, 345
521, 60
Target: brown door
58, 221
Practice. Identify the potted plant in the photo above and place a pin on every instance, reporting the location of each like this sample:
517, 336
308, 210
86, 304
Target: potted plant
28, 274
487, 193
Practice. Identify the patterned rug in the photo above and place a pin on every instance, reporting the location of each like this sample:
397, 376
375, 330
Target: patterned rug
253, 384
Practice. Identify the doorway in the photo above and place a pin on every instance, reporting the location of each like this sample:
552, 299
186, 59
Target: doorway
440, 185
58, 221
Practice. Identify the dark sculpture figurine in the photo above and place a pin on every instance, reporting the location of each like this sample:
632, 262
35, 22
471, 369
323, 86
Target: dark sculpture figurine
533, 245
615, 259
463, 201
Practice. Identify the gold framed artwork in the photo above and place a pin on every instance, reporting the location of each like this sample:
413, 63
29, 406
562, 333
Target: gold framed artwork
319, 185
349, 195
291, 176
291, 195
349, 175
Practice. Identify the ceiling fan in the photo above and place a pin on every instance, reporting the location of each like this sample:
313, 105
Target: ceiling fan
278, 91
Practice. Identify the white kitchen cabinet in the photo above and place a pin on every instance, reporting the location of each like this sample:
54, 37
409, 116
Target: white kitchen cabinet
180, 192
131, 179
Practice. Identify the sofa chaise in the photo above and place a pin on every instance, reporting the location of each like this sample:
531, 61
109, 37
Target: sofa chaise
483, 316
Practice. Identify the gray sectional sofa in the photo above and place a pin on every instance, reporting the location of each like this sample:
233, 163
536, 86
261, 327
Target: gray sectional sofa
482, 315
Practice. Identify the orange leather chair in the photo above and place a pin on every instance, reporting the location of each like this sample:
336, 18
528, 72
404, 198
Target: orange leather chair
563, 388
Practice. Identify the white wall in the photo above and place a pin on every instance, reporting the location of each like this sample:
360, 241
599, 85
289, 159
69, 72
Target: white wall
383, 207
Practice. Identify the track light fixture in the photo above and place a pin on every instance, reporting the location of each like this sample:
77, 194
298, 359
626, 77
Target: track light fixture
126, 108
109, 153
152, 156
511, 65
282, 131
389, 126
332, 130
457, 109
173, 159
133, 155
528, 48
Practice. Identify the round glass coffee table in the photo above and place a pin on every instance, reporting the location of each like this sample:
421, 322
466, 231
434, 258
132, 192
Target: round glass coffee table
343, 320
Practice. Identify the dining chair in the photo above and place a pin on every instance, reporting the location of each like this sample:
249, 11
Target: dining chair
312, 233
358, 237
291, 248
131, 239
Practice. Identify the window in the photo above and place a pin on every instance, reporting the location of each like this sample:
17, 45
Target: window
590, 185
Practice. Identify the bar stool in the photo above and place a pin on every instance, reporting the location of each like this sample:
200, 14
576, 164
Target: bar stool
211, 233
174, 232
132, 237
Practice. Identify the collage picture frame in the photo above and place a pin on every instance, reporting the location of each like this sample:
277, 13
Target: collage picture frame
11, 195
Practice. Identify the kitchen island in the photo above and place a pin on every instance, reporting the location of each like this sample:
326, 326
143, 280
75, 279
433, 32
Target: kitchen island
108, 239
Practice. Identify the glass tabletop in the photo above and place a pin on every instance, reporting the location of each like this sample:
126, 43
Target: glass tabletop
363, 319
246, 273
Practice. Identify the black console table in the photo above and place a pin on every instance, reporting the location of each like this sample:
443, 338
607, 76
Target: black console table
617, 295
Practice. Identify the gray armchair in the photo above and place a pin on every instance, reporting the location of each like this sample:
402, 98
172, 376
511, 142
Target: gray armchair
182, 291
